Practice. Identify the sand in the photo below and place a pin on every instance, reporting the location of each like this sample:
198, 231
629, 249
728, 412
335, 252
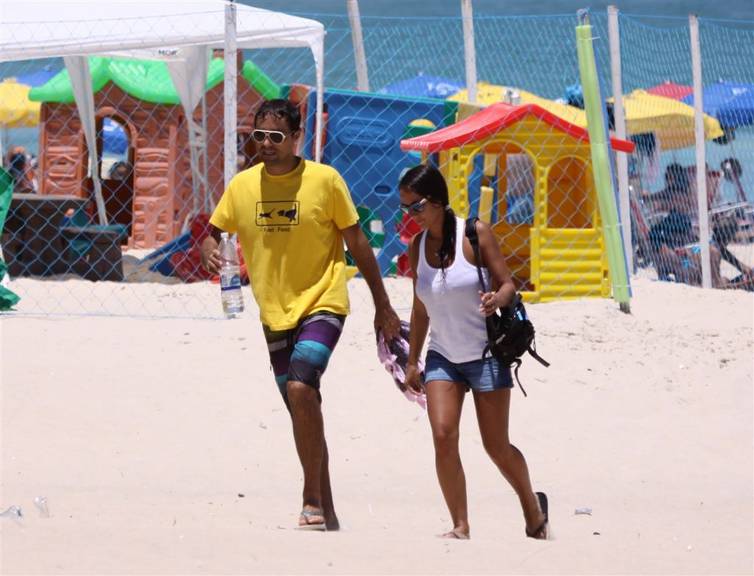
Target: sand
162, 446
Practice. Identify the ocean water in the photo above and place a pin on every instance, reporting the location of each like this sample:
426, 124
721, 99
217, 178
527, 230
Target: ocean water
531, 45
520, 43
731, 10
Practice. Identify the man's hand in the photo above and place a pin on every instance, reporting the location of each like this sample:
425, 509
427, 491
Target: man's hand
387, 322
210, 256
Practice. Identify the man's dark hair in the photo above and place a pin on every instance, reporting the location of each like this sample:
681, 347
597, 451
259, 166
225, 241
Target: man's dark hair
281, 109
17, 165
676, 178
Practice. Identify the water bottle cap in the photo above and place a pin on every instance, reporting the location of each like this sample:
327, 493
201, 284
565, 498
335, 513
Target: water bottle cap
224, 235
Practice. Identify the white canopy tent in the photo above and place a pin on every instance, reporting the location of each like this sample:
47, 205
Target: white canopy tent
179, 32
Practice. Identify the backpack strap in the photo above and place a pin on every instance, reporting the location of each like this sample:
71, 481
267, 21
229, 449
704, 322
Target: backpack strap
474, 239
532, 350
517, 362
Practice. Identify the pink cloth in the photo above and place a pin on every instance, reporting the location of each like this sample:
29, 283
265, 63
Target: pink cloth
394, 355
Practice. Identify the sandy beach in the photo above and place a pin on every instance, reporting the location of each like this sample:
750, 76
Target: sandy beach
162, 445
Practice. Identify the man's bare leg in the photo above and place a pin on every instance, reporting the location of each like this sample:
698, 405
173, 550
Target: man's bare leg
331, 519
308, 432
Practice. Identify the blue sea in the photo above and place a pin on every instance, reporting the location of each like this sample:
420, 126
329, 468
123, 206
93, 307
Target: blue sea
520, 43
530, 44
733, 10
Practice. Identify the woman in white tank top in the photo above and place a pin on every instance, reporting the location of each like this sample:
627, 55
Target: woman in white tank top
449, 304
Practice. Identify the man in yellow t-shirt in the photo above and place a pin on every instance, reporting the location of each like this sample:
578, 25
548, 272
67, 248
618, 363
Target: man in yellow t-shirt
292, 216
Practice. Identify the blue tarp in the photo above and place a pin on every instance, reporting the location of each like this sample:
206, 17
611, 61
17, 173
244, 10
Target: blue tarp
424, 87
731, 103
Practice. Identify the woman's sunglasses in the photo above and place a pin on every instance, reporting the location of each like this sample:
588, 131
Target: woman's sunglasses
275, 136
415, 208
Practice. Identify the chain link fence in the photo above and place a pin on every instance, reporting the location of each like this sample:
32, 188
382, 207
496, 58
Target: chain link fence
518, 157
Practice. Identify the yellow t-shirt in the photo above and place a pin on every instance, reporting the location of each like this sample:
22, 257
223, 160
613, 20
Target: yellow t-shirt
289, 228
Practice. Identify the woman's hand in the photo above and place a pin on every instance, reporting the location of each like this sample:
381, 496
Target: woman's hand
489, 302
414, 378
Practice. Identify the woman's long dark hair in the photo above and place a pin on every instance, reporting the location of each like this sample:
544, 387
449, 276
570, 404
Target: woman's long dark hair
427, 181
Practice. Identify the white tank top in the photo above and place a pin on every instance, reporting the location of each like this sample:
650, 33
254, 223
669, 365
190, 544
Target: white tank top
457, 328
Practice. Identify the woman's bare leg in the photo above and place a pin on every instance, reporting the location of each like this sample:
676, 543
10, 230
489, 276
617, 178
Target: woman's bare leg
444, 403
492, 409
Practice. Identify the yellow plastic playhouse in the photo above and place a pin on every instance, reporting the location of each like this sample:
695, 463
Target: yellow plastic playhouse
556, 251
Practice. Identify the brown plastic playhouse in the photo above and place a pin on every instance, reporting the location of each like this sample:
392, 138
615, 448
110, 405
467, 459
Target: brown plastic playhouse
155, 199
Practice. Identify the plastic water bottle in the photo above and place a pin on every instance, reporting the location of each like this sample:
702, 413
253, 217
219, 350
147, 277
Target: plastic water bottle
230, 277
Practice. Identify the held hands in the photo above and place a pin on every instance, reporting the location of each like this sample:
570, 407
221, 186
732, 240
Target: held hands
413, 378
489, 303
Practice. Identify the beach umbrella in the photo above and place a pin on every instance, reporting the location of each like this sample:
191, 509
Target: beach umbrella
671, 121
16, 110
424, 86
491, 93
732, 103
36, 77
670, 89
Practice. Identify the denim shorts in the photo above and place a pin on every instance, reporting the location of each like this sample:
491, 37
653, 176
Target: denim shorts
478, 375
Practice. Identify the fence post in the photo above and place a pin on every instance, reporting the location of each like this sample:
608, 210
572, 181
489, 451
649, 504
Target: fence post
599, 142
359, 55
229, 92
469, 51
701, 161
621, 160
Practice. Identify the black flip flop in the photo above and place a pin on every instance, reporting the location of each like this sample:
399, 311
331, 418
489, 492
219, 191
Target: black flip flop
540, 533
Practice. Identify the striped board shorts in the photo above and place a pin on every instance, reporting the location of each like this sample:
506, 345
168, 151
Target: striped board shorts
302, 353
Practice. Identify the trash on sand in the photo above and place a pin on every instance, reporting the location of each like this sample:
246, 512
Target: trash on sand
41, 503
14, 512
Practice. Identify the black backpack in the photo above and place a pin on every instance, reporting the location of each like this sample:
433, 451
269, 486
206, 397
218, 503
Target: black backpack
510, 333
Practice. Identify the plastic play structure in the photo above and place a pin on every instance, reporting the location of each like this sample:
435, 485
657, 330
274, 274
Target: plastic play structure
557, 250
362, 136
157, 197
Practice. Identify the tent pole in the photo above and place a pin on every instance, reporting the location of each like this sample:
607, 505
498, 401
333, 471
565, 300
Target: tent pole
229, 91
83, 93
208, 204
